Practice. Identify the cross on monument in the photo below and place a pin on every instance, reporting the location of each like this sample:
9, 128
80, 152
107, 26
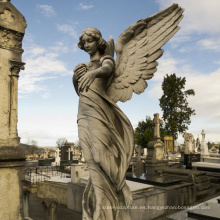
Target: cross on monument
203, 135
157, 122
69, 151
139, 151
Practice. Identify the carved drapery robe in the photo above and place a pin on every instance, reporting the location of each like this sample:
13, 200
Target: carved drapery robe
107, 140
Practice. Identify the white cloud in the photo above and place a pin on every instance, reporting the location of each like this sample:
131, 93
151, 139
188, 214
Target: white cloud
200, 16
85, 7
46, 10
46, 130
59, 47
41, 64
209, 44
68, 29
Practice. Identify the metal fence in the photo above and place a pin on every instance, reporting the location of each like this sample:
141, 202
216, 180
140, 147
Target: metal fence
33, 175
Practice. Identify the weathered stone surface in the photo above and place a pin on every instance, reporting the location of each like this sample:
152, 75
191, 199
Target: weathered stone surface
11, 153
188, 142
11, 18
12, 29
50, 209
52, 190
12, 158
10, 193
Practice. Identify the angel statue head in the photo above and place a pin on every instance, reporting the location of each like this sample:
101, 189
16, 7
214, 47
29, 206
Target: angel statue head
96, 36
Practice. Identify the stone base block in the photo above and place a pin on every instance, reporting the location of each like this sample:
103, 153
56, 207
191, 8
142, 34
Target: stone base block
12, 142
11, 193
152, 167
11, 153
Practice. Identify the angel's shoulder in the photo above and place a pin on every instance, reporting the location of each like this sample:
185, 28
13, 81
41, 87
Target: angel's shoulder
107, 57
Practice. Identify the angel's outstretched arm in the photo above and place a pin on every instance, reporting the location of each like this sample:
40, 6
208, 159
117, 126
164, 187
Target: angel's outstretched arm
104, 71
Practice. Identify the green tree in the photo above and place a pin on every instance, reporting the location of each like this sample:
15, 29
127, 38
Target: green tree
176, 112
144, 132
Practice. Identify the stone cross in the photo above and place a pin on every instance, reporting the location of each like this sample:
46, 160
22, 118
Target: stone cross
139, 151
157, 122
69, 151
203, 135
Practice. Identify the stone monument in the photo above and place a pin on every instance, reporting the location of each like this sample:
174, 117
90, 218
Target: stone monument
198, 144
204, 146
57, 158
12, 158
155, 157
105, 133
139, 165
188, 141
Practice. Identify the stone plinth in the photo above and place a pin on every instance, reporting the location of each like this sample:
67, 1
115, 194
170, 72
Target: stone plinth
155, 159
11, 175
78, 171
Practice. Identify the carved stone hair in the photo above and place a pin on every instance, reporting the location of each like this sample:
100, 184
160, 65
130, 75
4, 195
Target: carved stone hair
97, 36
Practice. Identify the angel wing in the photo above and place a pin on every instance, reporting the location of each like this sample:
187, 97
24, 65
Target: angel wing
137, 50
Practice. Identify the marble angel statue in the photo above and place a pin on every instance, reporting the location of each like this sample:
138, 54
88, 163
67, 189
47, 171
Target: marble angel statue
105, 133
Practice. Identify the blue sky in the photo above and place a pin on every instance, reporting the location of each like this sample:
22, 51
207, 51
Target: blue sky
47, 104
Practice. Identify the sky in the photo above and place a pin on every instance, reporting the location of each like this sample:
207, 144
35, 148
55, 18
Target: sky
47, 102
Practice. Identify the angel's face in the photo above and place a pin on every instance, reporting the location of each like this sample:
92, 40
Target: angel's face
89, 44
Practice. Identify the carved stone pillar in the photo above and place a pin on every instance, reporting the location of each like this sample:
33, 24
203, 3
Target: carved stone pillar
15, 69
12, 158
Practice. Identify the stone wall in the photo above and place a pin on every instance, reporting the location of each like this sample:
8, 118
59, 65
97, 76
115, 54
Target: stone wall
146, 205
51, 190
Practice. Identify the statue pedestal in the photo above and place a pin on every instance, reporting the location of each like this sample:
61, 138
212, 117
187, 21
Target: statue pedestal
12, 162
154, 160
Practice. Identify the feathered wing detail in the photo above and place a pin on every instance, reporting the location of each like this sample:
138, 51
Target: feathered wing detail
110, 49
138, 48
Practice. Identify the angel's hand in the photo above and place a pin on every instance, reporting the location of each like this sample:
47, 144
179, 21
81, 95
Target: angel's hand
79, 71
86, 80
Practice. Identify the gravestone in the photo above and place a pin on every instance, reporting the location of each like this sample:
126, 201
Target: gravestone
188, 142
139, 165
155, 157
204, 146
12, 158
57, 158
